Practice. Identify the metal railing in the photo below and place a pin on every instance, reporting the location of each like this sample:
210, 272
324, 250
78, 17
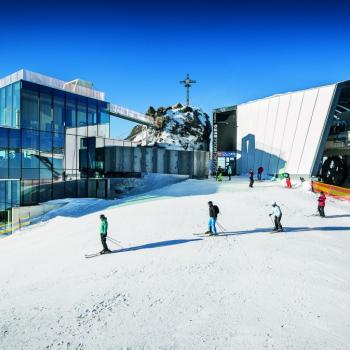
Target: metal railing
131, 115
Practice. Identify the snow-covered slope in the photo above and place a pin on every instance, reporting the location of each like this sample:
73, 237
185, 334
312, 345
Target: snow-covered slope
180, 127
172, 289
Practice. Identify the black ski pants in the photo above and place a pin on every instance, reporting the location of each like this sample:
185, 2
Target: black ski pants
278, 225
103, 240
251, 182
321, 210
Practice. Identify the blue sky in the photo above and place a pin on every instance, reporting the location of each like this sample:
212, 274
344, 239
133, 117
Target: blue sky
137, 51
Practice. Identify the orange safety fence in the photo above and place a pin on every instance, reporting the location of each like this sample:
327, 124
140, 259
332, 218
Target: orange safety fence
331, 190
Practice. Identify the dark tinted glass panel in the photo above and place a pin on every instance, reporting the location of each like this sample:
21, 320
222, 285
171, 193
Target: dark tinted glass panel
30, 174
92, 117
82, 116
2, 106
16, 105
30, 106
14, 152
45, 191
15, 193
82, 188
4, 163
46, 150
45, 109
4, 137
58, 189
71, 113
58, 152
30, 149
71, 188
92, 188
103, 119
58, 111
29, 192
8, 108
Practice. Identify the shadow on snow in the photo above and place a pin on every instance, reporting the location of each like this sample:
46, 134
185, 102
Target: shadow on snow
287, 230
156, 245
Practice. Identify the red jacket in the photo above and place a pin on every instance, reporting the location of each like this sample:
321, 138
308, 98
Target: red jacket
322, 200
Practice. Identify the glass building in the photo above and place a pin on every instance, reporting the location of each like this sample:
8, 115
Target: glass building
49, 131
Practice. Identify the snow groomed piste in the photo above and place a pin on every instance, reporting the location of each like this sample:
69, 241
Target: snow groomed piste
170, 289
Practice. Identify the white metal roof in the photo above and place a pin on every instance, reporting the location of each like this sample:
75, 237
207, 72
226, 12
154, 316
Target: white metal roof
45, 80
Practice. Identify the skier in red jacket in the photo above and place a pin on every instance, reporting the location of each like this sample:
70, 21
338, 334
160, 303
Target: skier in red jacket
321, 204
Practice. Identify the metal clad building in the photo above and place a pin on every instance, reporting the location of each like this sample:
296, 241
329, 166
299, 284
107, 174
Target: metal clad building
295, 132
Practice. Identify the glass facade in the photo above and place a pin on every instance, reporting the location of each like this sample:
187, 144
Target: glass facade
10, 106
47, 145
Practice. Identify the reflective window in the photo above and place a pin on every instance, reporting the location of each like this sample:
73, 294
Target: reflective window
82, 116
29, 192
45, 109
71, 113
103, 119
8, 105
58, 154
2, 107
14, 153
30, 106
92, 117
16, 105
30, 149
45, 156
58, 111
4, 155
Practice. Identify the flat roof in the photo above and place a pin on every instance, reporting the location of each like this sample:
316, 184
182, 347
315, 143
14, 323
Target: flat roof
45, 80
232, 108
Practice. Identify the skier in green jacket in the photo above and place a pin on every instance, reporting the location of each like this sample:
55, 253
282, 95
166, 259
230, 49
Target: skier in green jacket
103, 233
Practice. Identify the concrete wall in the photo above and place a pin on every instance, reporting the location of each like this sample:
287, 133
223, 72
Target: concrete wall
156, 160
283, 132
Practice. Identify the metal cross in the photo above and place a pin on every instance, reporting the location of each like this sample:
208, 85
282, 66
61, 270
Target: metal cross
187, 82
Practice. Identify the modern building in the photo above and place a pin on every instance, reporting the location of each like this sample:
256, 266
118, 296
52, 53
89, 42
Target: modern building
49, 131
304, 133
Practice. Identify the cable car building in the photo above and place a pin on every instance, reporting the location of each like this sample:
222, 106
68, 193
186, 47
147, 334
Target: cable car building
304, 133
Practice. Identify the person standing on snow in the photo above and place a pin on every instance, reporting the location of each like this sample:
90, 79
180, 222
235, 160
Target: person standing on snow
213, 215
103, 233
321, 204
277, 213
251, 178
260, 171
229, 172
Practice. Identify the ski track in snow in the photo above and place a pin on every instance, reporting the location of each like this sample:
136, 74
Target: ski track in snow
171, 289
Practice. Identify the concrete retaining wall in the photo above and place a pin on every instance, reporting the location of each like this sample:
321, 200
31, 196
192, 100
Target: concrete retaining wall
156, 160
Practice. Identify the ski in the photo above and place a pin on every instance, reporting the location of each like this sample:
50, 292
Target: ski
87, 256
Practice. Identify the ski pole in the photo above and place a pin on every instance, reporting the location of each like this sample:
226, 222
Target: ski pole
222, 228
114, 242
273, 224
113, 239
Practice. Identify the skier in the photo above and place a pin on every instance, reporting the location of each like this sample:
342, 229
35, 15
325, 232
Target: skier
213, 215
229, 171
103, 233
277, 213
251, 178
219, 174
321, 204
260, 171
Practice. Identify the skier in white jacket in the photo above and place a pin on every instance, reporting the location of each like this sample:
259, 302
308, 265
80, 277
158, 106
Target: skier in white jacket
277, 213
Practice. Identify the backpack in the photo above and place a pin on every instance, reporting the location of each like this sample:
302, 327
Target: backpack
216, 209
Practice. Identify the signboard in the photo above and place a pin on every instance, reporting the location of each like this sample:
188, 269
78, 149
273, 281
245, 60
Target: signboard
230, 154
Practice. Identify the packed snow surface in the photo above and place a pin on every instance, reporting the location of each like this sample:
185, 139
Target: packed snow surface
169, 288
